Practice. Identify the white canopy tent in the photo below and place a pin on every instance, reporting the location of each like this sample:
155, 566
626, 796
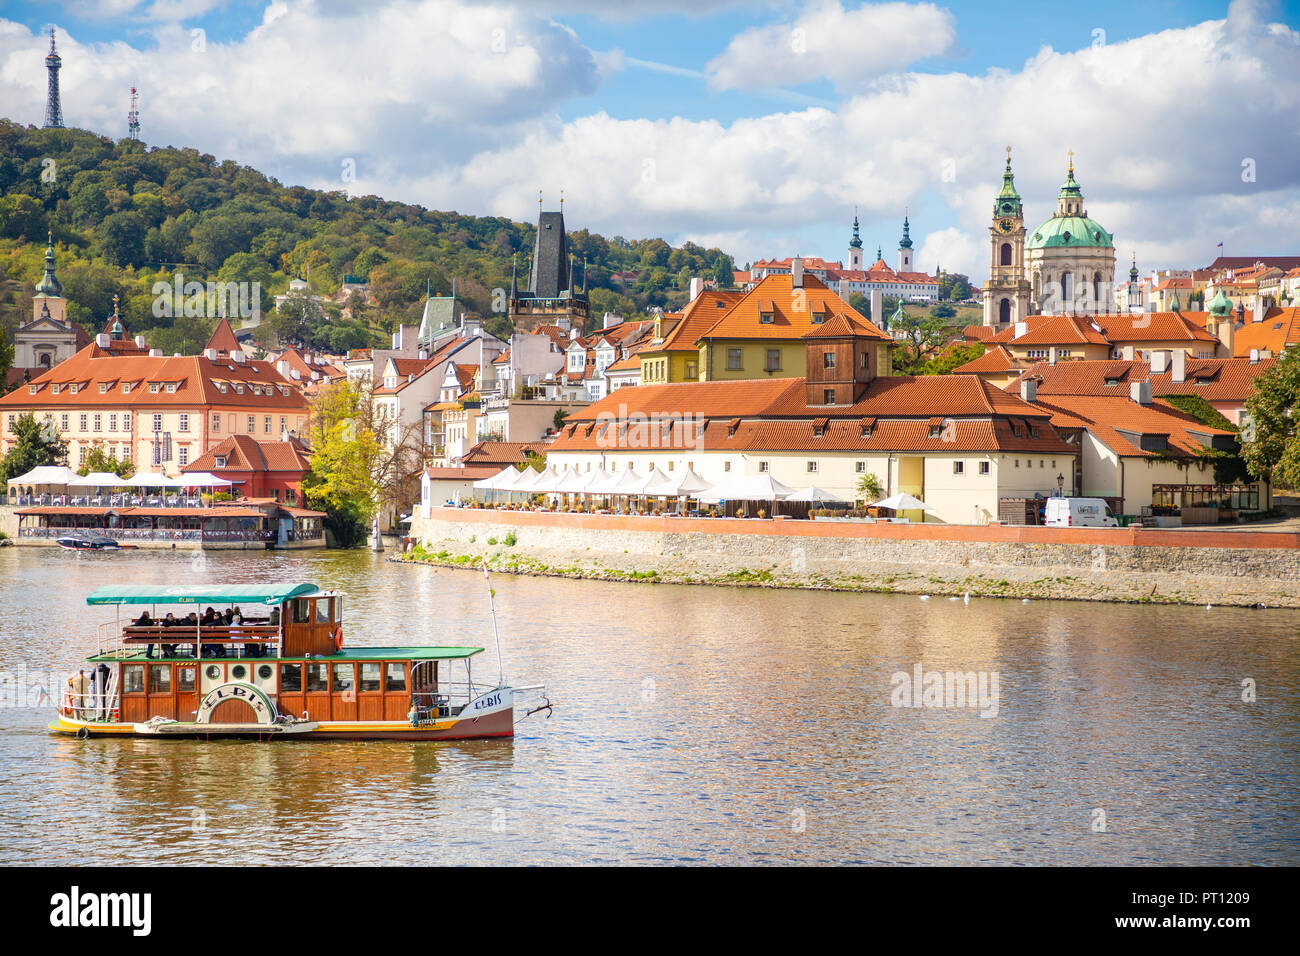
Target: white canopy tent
603, 483
151, 479
649, 482
534, 482
498, 481
202, 479
748, 488
97, 479
47, 476
627, 483
572, 482
688, 485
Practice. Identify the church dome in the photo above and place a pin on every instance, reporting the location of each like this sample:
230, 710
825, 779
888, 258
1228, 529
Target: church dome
1070, 232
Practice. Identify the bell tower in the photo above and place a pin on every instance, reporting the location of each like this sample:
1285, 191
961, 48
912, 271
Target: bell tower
855, 245
1006, 293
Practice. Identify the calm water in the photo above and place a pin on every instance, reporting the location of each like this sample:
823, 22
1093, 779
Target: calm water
692, 725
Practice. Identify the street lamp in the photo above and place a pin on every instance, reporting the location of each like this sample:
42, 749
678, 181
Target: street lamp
1060, 485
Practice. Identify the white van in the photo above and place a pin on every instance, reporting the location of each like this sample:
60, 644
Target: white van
1078, 513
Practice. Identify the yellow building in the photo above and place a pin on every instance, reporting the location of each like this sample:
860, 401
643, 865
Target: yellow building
762, 335
672, 355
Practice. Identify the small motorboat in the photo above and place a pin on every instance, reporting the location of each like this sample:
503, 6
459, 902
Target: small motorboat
90, 542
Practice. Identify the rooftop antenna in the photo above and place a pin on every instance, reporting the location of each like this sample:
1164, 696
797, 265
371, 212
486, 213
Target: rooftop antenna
133, 117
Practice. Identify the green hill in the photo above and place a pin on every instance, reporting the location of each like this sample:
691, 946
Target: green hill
125, 216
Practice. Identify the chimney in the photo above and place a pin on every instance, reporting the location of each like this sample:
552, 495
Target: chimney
697, 286
613, 318
155, 353
1178, 368
397, 339
1127, 353
1029, 389
424, 354
237, 357
1140, 392
210, 354
283, 368
1227, 333
1254, 356
796, 272
102, 340
139, 341
1051, 355
1259, 309
573, 334
1021, 329
877, 307
1159, 362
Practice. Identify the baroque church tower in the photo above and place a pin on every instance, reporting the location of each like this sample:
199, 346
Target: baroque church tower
1006, 293
855, 246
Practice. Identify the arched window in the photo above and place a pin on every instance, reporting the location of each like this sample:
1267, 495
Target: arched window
1067, 290
1097, 291
1004, 311
1006, 254
1038, 287
45, 359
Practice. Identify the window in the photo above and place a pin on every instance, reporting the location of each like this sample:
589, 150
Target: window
153, 387
762, 466
112, 423
266, 425
185, 678
733, 360
160, 678
828, 360
395, 679
812, 466
290, 678
103, 388
866, 362
84, 420
692, 371
133, 678
171, 387
766, 318
252, 424
284, 424
344, 677
63, 422
301, 611
726, 466
774, 360
157, 423
984, 467
828, 396
185, 422
99, 420
1017, 462
371, 672
861, 467
959, 467
318, 676
216, 422
323, 610
183, 456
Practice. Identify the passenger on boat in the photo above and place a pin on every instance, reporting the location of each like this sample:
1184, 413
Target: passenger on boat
144, 620
81, 693
275, 616
103, 691
169, 620
210, 617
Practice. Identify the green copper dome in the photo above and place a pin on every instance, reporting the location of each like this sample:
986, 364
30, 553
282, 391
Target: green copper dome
1070, 232
1220, 304
50, 285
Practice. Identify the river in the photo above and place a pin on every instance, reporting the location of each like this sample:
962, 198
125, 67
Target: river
691, 725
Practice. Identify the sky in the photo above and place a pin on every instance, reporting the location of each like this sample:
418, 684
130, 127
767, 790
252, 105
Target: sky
757, 127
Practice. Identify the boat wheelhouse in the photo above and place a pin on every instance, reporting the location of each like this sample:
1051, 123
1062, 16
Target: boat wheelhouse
269, 661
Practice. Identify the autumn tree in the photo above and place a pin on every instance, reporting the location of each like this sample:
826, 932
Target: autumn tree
1271, 448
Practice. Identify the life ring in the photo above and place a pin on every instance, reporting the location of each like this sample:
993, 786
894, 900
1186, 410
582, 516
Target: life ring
83, 733
338, 639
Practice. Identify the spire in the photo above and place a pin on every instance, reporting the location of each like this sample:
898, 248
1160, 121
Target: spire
879, 254
50, 284
906, 241
1220, 304
856, 241
428, 287
1133, 272
53, 107
1175, 304
115, 329
514, 282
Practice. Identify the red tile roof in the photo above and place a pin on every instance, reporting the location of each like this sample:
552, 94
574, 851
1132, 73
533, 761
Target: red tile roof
1108, 418
1279, 329
245, 453
791, 310
1215, 380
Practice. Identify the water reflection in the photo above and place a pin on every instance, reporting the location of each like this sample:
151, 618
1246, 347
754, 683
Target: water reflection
703, 725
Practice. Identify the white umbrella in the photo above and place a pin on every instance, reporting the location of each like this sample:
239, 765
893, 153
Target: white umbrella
97, 479
813, 493
902, 502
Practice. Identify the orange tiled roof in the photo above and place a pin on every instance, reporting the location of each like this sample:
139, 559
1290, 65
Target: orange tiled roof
775, 295
1215, 380
1279, 330
245, 453
994, 360
1108, 418
699, 315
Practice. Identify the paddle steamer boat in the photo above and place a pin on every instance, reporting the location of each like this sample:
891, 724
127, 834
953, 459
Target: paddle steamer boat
286, 674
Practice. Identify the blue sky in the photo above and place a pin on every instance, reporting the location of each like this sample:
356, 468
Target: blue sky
757, 127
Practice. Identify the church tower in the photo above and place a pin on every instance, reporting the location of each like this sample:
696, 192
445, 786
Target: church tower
855, 246
1006, 293
905, 248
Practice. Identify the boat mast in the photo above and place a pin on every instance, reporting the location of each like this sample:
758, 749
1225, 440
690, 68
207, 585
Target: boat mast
496, 636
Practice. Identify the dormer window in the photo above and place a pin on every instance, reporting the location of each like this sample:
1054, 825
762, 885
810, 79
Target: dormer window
818, 318
103, 388
239, 388
767, 318
73, 389
220, 461
171, 386
126, 388
33, 389
153, 388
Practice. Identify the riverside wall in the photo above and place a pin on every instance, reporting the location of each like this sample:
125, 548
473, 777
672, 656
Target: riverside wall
1229, 567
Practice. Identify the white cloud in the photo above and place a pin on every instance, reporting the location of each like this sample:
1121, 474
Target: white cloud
848, 47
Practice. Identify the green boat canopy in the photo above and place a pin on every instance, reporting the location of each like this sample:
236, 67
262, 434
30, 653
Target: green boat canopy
211, 594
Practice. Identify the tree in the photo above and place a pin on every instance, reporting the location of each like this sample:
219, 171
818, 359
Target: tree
942, 310
869, 487
1272, 447
923, 338
952, 358
97, 460
724, 272
123, 239
954, 287
36, 444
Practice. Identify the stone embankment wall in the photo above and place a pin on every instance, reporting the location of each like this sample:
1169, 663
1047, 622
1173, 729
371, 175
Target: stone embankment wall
1099, 564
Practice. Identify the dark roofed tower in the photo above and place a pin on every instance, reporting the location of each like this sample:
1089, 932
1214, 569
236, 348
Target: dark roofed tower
53, 108
552, 297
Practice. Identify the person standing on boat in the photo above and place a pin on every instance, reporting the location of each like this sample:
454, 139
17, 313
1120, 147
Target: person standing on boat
103, 672
80, 692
